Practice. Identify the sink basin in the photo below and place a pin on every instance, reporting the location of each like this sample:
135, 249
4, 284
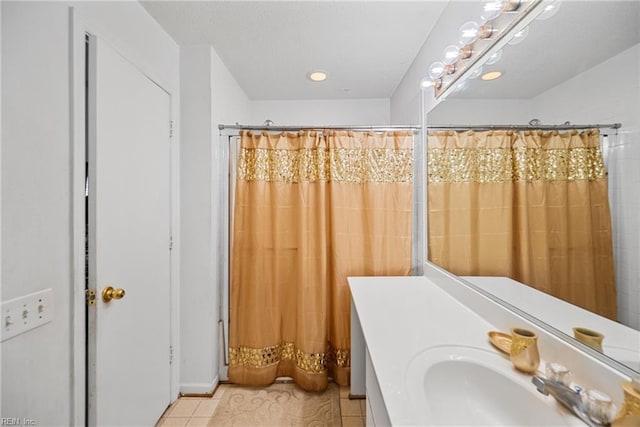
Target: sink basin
457, 385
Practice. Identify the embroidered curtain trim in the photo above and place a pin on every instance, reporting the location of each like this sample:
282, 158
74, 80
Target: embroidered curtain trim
514, 164
321, 164
308, 362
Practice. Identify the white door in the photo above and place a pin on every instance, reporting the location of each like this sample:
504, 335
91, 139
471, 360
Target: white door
129, 242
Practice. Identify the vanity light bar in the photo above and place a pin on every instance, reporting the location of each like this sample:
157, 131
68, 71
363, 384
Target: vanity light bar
484, 46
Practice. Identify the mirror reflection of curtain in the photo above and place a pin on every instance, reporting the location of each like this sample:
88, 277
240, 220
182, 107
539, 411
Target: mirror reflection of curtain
312, 208
528, 205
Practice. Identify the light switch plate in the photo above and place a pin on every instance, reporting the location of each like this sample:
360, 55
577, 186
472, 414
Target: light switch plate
24, 313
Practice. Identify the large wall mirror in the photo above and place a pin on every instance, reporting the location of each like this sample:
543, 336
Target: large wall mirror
581, 66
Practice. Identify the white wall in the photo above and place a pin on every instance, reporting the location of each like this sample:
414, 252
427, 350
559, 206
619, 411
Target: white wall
196, 337
405, 102
230, 105
38, 366
480, 111
36, 205
210, 95
322, 112
608, 93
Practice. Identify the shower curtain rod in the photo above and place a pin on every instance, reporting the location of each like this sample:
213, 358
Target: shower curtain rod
297, 128
417, 128
525, 127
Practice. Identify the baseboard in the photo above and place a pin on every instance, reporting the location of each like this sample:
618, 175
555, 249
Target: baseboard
199, 389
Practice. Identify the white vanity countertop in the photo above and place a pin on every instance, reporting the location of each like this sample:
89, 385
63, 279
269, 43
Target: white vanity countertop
620, 342
402, 316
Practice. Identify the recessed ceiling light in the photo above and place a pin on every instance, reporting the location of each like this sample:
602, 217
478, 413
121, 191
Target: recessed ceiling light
491, 75
317, 76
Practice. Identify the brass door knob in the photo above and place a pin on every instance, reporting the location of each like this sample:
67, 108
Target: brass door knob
110, 293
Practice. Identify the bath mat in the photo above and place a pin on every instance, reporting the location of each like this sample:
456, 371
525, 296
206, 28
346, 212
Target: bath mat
280, 404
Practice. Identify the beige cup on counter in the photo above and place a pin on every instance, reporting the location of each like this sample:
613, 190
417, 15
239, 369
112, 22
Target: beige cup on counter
631, 404
524, 350
589, 337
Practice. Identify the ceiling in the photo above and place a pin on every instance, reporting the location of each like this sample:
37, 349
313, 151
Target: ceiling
365, 47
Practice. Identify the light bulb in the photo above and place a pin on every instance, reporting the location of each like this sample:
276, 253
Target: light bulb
449, 69
485, 31
426, 82
436, 70
549, 8
450, 54
494, 57
468, 33
491, 9
519, 36
512, 5
466, 52
317, 76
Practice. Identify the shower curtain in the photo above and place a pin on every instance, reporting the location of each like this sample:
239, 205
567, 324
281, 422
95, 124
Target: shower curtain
529, 205
312, 208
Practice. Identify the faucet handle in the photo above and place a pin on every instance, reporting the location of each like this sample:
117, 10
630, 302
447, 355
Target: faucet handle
599, 406
557, 372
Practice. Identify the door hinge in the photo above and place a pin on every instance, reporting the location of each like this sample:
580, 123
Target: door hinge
171, 129
170, 243
90, 296
170, 354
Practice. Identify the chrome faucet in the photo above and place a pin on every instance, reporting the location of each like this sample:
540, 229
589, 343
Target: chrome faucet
569, 397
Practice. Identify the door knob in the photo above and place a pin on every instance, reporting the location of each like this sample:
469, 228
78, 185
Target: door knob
110, 293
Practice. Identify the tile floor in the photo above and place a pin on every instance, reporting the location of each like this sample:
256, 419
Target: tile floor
196, 411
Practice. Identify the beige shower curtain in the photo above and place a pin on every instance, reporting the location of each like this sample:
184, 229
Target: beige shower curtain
529, 205
312, 208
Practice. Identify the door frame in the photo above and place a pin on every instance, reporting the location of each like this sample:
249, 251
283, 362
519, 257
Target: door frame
80, 27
